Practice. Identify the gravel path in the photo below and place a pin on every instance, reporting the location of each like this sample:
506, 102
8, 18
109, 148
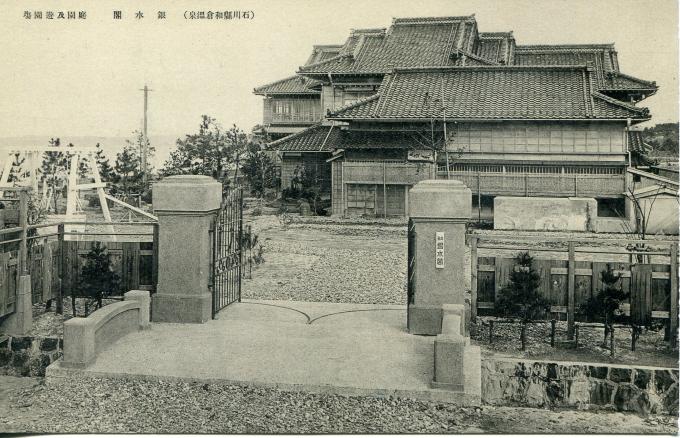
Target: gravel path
117, 406
329, 263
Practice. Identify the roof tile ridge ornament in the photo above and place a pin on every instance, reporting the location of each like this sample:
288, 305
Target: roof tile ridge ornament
499, 67
294, 135
564, 47
431, 20
475, 57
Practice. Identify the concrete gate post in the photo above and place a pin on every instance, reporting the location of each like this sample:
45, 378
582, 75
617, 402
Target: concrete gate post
439, 210
185, 206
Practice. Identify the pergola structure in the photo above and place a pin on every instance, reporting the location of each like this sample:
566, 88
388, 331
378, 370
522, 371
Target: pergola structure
33, 158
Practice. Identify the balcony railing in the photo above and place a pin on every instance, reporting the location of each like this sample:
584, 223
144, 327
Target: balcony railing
543, 184
281, 118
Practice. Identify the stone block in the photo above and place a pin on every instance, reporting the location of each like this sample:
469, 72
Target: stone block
642, 378
5, 357
620, 375
598, 372
535, 393
446, 199
142, 297
184, 308
552, 371
601, 392
459, 310
626, 398
20, 322
578, 392
424, 320
49, 344
21, 343
670, 400
663, 379
187, 193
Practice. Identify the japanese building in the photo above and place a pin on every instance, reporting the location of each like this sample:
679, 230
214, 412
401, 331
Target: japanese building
438, 98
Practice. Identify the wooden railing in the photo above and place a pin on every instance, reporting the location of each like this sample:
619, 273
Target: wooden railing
302, 117
541, 184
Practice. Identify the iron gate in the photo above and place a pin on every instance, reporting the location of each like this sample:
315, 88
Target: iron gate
226, 259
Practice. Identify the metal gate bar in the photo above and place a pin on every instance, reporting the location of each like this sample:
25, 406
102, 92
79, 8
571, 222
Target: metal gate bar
227, 257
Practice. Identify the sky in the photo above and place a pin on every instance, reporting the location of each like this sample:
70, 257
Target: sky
82, 77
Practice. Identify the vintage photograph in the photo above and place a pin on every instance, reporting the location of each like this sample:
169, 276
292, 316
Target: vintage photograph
315, 217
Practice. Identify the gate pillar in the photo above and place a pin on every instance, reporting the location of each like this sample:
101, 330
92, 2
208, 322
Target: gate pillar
438, 212
185, 206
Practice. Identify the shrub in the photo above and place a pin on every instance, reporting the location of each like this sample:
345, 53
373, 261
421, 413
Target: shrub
520, 298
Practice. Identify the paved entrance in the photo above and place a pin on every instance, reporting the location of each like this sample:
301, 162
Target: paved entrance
346, 349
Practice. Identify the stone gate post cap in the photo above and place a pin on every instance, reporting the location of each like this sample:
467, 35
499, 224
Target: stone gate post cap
187, 193
440, 199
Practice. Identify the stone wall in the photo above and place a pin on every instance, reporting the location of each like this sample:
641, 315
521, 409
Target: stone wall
519, 382
533, 213
28, 356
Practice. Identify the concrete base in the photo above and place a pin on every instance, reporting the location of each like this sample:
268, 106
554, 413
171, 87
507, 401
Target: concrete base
348, 349
424, 320
457, 367
181, 308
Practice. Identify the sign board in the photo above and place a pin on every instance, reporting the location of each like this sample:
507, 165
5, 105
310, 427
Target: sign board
420, 155
439, 250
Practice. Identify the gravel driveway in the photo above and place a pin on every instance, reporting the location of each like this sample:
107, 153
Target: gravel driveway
117, 406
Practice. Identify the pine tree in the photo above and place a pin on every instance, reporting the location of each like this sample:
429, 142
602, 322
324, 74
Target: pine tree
105, 170
605, 306
520, 298
259, 171
127, 168
97, 278
54, 168
17, 172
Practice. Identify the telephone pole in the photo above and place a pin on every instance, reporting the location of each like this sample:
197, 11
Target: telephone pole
146, 137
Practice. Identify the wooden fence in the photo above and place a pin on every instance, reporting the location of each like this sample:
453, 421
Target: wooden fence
55, 263
570, 274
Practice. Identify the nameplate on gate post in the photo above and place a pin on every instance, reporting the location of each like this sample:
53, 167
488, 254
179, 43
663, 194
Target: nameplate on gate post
439, 250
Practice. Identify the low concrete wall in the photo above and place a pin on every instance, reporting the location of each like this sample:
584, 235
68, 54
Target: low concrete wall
521, 382
85, 337
534, 213
28, 356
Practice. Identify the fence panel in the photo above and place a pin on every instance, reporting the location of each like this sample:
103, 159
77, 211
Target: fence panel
649, 285
7, 293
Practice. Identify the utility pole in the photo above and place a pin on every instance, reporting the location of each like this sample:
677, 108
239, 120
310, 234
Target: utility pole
146, 137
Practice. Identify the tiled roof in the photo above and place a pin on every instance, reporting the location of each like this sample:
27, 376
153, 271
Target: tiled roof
322, 52
602, 57
290, 85
485, 93
325, 138
496, 46
635, 142
317, 138
620, 81
410, 42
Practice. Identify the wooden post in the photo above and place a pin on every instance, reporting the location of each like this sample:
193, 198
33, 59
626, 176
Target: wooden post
473, 277
23, 223
674, 295
611, 341
491, 332
60, 267
571, 286
384, 184
479, 197
154, 262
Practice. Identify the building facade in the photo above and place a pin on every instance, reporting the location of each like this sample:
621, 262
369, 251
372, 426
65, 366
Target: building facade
437, 98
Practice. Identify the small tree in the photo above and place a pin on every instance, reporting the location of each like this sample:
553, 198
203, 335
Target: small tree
259, 171
128, 176
97, 278
605, 306
54, 169
105, 170
520, 298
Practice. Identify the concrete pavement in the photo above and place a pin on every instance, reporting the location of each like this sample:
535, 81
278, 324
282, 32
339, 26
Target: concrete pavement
351, 349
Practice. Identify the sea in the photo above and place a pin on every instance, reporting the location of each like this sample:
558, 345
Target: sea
111, 146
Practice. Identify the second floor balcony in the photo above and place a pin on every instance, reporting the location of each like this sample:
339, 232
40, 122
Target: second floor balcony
292, 111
